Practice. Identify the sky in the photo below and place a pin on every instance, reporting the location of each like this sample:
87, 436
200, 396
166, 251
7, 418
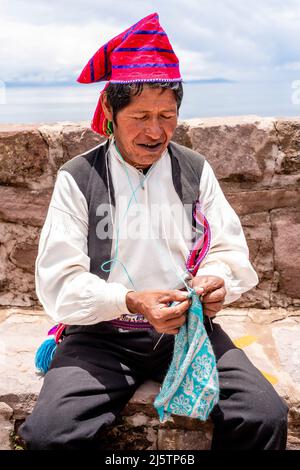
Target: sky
50, 41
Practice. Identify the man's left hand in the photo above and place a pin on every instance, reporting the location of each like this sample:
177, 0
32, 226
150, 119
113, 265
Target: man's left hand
213, 293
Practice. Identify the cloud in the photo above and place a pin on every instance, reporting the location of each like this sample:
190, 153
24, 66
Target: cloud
52, 40
48, 52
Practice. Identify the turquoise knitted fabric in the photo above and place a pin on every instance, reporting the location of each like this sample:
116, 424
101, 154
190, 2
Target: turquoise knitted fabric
191, 386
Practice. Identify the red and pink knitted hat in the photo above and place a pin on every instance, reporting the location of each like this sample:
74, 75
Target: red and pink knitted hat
142, 53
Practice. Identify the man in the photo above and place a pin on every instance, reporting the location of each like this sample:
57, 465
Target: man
112, 258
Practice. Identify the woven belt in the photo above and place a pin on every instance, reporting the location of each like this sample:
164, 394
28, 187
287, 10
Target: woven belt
134, 323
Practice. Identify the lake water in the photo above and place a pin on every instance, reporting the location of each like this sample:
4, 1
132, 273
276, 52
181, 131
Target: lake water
76, 103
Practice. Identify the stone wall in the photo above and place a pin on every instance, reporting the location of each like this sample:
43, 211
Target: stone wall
256, 160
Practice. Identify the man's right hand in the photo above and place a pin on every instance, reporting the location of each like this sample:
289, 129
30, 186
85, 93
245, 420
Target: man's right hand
154, 305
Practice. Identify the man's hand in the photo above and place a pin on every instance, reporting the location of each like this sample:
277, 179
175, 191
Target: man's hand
154, 305
213, 294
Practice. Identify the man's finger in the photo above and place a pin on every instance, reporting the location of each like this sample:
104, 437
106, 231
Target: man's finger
176, 310
174, 296
215, 307
172, 332
212, 308
209, 313
216, 296
209, 283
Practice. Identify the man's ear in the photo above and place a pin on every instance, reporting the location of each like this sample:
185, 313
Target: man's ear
106, 107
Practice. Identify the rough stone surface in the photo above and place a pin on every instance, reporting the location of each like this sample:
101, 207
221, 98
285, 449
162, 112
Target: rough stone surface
239, 149
21, 332
288, 161
272, 344
270, 338
6, 426
66, 140
6, 411
23, 255
250, 202
23, 155
181, 135
23, 206
257, 229
18, 249
286, 236
78, 139
172, 439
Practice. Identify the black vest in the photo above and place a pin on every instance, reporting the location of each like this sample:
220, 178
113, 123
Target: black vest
91, 174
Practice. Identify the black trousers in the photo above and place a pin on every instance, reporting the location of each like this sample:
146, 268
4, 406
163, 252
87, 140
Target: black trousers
96, 369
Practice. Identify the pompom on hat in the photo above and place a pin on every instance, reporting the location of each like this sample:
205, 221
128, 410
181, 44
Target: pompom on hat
142, 53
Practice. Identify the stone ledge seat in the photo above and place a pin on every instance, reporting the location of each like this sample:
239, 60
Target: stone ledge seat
271, 338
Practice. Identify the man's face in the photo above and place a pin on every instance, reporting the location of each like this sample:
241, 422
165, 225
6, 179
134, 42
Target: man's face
145, 127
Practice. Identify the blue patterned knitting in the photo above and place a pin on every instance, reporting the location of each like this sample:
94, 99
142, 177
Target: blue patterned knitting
191, 386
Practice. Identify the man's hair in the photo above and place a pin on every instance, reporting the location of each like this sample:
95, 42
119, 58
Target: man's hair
119, 94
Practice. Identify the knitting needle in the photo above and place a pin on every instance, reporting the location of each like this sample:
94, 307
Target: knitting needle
158, 341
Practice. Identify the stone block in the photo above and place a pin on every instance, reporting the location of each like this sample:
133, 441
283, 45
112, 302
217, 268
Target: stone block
257, 229
179, 439
21, 334
23, 255
18, 249
286, 235
78, 138
181, 135
6, 426
122, 435
23, 206
288, 137
23, 155
240, 150
251, 202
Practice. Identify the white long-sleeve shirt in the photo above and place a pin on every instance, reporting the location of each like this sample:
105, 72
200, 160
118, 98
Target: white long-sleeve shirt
153, 241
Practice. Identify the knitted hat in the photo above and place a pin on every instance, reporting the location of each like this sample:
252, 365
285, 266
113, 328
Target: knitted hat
142, 53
